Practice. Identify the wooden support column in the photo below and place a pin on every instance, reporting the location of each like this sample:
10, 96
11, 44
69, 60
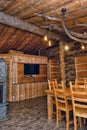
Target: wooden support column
62, 63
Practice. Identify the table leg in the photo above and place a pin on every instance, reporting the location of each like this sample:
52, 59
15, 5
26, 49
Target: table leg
49, 106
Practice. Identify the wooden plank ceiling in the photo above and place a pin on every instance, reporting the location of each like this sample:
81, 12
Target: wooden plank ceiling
31, 41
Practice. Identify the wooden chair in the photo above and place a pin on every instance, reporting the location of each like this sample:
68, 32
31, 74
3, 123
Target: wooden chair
62, 104
51, 85
80, 82
79, 101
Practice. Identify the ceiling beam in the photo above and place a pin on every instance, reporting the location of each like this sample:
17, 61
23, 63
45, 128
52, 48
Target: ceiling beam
20, 24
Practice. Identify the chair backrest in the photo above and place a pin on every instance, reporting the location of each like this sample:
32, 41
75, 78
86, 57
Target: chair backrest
51, 84
60, 96
79, 97
80, 81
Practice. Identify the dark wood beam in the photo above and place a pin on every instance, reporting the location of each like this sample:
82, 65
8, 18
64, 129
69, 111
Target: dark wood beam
20, 24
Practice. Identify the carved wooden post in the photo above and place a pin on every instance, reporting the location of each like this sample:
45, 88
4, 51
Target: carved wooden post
62, 63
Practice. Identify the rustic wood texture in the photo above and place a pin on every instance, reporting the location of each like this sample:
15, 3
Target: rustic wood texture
69, 59
32, 41
53, 70
62, 63
20, 24
21, 87
81, 67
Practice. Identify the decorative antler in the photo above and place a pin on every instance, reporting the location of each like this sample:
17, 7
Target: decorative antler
53, 27
80, 37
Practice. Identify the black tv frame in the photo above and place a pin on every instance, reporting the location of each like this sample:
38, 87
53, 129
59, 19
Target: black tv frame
31, 69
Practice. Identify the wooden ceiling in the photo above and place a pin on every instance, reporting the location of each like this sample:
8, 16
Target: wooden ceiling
29, 37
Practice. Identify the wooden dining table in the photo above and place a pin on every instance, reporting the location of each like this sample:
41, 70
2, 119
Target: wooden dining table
50, 95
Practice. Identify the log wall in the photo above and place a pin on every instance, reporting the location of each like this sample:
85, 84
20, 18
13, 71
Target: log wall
22, 87
69, 60
66, 60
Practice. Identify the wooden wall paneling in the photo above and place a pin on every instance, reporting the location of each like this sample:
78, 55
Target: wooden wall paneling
44, 60
19, 59
28, 87
41, 89
15, 52
15, 92
33, 89
29, 60
33, 60
20, 72
45, 87
27, 91
15, 58
30, 90
39, 92
14, 73
10, 80
36, 60
83, 3
22, 91
24, 59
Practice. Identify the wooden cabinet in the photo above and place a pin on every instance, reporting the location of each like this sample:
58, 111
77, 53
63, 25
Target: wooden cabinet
81, 67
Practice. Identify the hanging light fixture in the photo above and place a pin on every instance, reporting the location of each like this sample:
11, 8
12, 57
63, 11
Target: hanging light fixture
76, 36
45, 38
82, 47
66, 48
49, 43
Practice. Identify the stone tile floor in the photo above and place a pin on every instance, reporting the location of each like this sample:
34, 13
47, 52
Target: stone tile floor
30, 115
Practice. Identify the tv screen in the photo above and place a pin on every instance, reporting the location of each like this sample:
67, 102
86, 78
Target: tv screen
31, 69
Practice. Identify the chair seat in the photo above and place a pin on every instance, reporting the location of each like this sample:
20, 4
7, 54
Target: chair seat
80, 112
63, 108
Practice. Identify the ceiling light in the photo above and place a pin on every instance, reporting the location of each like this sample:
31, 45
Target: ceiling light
66, 47
49, 43
45, 38
82, 47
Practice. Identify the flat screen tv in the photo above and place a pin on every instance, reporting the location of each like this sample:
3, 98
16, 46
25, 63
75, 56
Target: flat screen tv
31, 69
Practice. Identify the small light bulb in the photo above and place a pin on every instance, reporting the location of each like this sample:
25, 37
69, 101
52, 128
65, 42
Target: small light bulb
49, 43
83, 47
66, 48
45, 38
